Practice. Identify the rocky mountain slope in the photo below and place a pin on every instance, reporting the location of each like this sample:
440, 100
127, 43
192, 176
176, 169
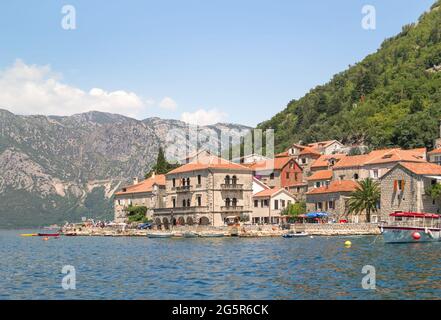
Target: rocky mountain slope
63, 168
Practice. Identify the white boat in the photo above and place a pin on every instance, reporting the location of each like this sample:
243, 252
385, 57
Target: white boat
160, 235
295, 235
190, 234
406, 227
212, 235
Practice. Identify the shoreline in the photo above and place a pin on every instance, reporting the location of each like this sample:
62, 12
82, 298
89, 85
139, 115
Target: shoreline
244, 231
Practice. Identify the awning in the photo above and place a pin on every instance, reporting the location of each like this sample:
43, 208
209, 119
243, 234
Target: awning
434, 177
312, 215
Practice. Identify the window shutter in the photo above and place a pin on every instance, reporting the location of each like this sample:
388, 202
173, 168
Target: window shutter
395, 185
403, 183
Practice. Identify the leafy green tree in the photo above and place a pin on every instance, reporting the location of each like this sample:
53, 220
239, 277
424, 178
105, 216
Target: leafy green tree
365, 198
295, 209
137, 213
434, 191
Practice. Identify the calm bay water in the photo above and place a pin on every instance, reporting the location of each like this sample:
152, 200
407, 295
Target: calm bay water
227, 268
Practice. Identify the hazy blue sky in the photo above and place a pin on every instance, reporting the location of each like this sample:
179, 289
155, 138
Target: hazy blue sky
239, 61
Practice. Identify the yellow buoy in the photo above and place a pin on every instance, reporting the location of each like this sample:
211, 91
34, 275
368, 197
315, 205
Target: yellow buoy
348, 243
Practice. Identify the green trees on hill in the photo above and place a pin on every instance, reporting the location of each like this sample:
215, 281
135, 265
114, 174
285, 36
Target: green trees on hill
391, 98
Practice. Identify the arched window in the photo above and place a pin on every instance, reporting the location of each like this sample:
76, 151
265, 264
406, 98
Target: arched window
188, 203
183, 181
227, 202
184, 203
234, 180
234, 202
227, 180
188, 181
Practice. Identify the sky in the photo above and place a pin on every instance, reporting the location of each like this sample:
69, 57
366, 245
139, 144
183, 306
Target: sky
200, 61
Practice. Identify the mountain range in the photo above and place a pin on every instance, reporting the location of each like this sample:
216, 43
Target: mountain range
56, 169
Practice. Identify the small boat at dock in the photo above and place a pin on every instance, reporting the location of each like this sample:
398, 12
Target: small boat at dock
190, 234
161, 235
212, 235
408, 227
295, 235
29, 234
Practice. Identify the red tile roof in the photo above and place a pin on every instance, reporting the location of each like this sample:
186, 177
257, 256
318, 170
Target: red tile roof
321, 175
323, 161
426, 168
309, 151
336, 186
435, 151
209, 162
383, 156
276, 164
321, 144
268, 192
143, 186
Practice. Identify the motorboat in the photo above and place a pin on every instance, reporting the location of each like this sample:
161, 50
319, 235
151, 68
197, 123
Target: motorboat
411, 227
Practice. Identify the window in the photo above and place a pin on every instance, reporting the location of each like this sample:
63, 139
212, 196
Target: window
287, 175
234, 202
174, 182
234, 180
227, 180
256, 203
319, 206
399, 185
356, 176
272, 176
188, 203
276, 204
317, 184
375, 174
331, 205
183, 181
184, 203
199, 179
266, 203
296, 176
188, 181
283, 203
433, 182
119, 202
303, 160
199, 201
227, 202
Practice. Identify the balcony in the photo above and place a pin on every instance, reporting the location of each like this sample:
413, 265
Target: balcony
184, 188
230, 186
232, 208
181, 210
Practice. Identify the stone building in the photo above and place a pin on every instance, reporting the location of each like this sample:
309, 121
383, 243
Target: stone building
208, 191
434, 156
319, 179
268, 205
149, 193
332, 199
404, 187
327, 147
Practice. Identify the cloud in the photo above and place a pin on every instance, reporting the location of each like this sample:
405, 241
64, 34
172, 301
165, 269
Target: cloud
33, 89
168, 104
203, 117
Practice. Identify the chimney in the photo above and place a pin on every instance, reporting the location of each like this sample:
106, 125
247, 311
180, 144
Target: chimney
135, 180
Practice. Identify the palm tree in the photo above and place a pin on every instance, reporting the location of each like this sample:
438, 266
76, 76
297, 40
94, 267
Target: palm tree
365, 198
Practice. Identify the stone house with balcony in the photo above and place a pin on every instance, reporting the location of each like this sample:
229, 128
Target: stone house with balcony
268, 205
149, 193
208, 191
403, 188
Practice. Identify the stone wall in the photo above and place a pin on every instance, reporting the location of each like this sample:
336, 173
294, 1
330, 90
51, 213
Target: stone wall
334, 229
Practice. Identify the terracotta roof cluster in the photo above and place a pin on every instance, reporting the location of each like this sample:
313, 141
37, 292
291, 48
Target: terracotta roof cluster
209, 162
143, 186
383, 156
309, 151
321, 144
426, 168
320, 175
336, 186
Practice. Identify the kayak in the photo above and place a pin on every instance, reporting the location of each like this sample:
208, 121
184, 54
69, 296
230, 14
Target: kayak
48, 234
29, 234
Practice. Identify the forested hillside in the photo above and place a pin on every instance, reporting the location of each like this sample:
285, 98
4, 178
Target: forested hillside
391, 98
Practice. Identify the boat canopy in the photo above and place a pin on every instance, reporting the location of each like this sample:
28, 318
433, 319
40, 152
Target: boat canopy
316, 215
415, 215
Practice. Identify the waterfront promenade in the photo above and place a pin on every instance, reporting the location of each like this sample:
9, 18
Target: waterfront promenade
314, 229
